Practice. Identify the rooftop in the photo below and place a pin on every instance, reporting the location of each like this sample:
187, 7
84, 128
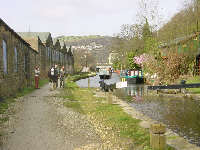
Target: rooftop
42, 35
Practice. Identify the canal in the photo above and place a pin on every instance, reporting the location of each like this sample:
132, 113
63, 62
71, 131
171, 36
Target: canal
181, 115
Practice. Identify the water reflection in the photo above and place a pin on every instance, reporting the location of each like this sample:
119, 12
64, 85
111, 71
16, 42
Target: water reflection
182, 115
135, 92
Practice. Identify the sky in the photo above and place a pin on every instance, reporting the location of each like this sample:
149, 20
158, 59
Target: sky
77, 17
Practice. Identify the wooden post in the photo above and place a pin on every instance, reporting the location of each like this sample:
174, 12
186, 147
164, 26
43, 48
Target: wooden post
157, 137
109, 97
88, 82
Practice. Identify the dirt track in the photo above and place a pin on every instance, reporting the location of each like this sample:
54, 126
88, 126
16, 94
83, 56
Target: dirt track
41, 122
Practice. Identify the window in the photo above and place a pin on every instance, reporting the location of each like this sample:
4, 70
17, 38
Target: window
15, 60
5, 63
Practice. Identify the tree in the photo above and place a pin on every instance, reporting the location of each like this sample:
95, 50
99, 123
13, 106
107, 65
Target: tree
131, 64
146, 32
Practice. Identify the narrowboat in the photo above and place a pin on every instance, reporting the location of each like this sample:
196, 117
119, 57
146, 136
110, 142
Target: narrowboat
105, 74
132, 76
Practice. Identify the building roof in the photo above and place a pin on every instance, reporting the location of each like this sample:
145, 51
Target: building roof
11, 30
62, 42
42, 35
33, 42
54, 41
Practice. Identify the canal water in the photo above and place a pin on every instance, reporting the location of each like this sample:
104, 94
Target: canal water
94, 81
181, 115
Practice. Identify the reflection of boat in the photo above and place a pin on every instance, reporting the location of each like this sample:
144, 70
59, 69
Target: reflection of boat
136, 91
133, 76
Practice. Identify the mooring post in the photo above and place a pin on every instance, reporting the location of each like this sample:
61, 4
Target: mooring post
109, 97
157, 136
88, 82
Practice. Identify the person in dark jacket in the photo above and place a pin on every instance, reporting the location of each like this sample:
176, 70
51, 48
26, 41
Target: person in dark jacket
56, 74
62, 77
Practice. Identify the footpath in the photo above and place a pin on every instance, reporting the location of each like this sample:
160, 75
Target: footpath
39, 121
92, 120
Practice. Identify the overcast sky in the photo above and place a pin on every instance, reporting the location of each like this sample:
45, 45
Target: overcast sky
76, 17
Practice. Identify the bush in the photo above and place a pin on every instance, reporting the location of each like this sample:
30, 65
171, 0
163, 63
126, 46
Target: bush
168, 69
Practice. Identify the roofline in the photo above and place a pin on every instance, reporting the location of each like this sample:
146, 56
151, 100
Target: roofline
11, 30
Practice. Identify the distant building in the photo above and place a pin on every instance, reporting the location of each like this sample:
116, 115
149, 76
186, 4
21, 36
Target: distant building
112, 57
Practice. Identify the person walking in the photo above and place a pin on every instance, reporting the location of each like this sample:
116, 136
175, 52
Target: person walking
51, 75
37, 73
62, 77
55, 77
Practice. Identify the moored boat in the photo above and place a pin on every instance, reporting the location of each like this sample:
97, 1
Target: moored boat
105, 74
132, 76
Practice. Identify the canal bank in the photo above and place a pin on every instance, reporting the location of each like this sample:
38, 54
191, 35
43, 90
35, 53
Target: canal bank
117, 129
179, 112
173, 138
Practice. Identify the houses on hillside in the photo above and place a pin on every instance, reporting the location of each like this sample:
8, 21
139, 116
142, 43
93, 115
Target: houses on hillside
21, 52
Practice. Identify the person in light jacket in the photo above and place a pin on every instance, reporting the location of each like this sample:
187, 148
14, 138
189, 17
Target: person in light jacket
37, 74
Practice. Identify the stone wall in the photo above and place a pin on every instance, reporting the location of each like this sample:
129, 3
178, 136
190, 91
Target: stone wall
19, 73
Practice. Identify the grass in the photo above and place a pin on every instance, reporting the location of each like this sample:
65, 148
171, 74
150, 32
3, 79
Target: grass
80, 76
5, 104
28, 90
111, 117
74, 105
195, 79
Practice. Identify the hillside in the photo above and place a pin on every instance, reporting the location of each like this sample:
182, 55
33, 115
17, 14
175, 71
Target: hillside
85, 40
184, 23
96, 48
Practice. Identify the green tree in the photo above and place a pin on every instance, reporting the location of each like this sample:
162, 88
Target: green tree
116, 64
146, 32
131, 64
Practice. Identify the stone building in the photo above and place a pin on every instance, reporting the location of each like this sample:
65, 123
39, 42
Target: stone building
70, 60
21, 52
15, 65
64, 52
50, 49
37, 40
57, 49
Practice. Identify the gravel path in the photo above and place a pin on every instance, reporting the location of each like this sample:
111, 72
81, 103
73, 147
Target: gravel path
42, 123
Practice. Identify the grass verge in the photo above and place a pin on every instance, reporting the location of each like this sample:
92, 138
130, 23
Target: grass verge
195, 79
28, 90
111, 122
80, 76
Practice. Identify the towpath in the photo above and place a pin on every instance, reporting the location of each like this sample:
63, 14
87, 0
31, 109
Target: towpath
41, 122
